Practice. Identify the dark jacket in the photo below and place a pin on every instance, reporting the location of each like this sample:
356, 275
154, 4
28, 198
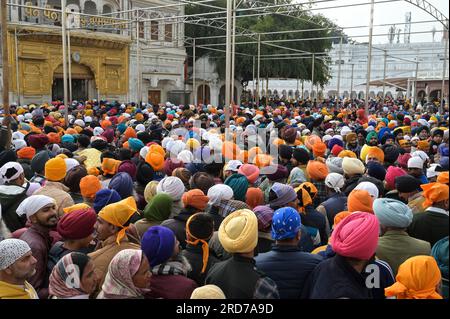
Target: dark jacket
334, 278
178, 225
351, 183
288, 267
213, 211
58, 251
264, 242
194, 255
26, 165
39, 240
312, 218
237, 277
429, 226
10, 198
335, 203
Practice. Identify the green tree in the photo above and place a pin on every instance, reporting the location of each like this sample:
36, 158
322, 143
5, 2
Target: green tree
283, 68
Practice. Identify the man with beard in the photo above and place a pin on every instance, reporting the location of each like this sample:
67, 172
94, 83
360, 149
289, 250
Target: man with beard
372, 139
41, 212
398, 133
17, 265
352, 143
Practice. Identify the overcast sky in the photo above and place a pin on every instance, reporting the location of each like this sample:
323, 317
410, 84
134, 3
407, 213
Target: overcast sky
384, 13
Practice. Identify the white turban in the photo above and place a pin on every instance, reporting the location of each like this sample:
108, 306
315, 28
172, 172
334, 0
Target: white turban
326, 138
171, 185
305, 131
140, 128
31, 205
185, 156
10, 171
345, 130
143, 152
370, 188
177, 147
219, 192
11, 250
335, 181
87, 119
19, 144
79, 122
334, 165
71, 163
352, 166
17, 135
424, 156
98, 131
423, 122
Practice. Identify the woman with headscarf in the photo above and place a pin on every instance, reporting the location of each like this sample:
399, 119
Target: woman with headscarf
418, 277
156, 211
311, 218
128, 276
76, 268
336, 201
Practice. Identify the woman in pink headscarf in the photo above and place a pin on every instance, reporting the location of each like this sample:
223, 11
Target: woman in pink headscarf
128, 276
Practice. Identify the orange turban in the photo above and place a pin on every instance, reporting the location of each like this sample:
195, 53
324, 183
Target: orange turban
254, 197
129, 133
75, 207
434, 193
319, 149
125, 145
359, 200
404, 143
278, 142
262, 160
244, 157
305, 194
376, 152
71, 131
417, 278
423, 146
93, 171
253, 152
230, 150
195, 198
139, 117
89, 186
340, 217
105, 124
442, 177
26, 152
156, 148
347, 153
118, 214
156, 161
54, 138
311, 140
110, 166
317, 170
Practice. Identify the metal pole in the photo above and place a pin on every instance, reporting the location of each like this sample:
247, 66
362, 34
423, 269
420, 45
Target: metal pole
228, 62
5, 62
441, 110
17, 65
384, 74
415, 81
351, 82
312, 76
302, 88
138, 63
64, 47
259, 66
233, 48
369, 57
253, 82
70, 65
339, 68
194, 87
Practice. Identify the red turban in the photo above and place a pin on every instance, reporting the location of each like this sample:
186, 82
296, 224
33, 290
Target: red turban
38, 141
77, 224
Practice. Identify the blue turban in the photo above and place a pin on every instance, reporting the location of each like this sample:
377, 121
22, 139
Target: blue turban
105, 197
376, 170
383, 131
440, 253
135, 144
443, 162
335, 141
158, 244
239, 185
392, 213
66, 138
286, 223
122, 183
121, 128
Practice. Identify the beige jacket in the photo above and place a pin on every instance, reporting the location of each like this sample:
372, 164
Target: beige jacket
59, 192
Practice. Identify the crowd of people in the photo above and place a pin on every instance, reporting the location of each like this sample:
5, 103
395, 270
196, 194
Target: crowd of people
304, 200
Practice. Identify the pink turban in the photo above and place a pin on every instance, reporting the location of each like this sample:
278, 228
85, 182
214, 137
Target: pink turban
250, 171
391, 173
356, 236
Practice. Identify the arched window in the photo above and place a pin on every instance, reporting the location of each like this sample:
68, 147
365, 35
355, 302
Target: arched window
154, 27
106, 9
168, 28
90, 7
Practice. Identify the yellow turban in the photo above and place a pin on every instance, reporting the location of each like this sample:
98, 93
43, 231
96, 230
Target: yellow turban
363, 154
238, 232
208, 292
75, 207
118, 214
192, 144
375, 151
55, 169
150, 190
346, 153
